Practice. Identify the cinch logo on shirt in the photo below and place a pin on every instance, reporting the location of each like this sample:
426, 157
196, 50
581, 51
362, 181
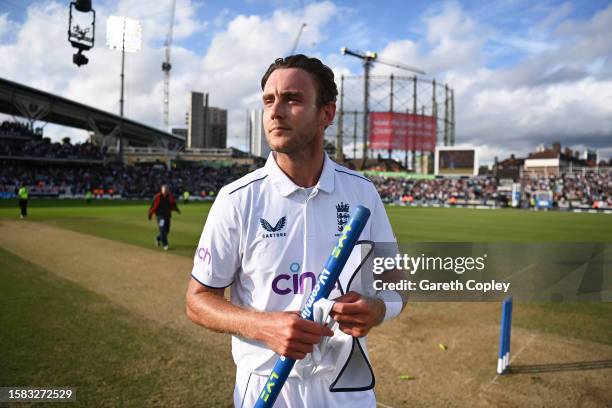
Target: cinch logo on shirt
296, 282
204, 254
284, 284
274, 230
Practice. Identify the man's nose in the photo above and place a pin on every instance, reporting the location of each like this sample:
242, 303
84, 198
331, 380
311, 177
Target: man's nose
277, 110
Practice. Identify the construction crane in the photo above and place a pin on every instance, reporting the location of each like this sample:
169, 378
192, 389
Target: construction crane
297, 39
368, 59
166, 67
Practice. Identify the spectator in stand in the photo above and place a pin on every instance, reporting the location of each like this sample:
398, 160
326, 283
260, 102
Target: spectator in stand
162, 206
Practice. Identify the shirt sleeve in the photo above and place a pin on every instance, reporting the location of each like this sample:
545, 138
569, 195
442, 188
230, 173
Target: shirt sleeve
217, 258
380, 226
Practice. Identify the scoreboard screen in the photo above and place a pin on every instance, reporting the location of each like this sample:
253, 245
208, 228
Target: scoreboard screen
459, 162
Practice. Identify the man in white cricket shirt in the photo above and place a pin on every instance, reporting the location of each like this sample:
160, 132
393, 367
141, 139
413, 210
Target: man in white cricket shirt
268, 235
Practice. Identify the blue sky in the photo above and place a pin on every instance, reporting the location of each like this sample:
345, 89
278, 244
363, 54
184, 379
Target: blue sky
524, 72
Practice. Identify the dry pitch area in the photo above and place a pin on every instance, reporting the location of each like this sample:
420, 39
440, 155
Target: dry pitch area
411, 368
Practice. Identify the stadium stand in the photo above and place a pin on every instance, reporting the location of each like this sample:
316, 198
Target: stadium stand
114, 180
462, 191
45, 149
18, 130
71, 170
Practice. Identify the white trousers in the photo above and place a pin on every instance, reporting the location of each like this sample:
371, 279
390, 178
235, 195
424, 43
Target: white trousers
297, 393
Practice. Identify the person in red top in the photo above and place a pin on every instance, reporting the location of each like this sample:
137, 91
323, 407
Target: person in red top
162, 206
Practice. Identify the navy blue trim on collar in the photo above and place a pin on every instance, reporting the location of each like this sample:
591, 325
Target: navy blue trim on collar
354, 175
252, 181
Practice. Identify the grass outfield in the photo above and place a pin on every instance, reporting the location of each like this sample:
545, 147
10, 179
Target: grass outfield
55, 332
126, 221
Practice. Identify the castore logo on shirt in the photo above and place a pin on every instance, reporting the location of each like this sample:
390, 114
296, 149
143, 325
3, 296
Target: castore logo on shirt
274, 230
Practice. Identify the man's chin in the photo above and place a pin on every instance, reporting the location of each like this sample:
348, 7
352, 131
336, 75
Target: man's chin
289, 145
283, 146
284, 149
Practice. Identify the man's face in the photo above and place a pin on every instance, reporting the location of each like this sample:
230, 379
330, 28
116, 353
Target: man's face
292, 120
164, 190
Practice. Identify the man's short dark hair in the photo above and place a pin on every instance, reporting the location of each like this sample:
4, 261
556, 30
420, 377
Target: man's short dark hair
322, 74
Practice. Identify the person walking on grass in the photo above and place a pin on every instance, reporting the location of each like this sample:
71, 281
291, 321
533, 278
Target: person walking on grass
162, 206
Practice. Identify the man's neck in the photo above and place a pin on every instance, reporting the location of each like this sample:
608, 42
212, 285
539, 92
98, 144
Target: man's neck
304, 169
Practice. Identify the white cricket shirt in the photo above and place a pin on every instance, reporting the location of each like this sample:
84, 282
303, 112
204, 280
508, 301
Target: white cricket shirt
269, 238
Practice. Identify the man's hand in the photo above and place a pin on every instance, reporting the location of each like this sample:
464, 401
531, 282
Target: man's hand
290, 335
357, 314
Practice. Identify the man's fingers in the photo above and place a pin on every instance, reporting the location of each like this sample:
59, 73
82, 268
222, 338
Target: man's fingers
314, 328
360, 306
307, 338
355, 331
296, 355
299, 347
350, 319
349, 297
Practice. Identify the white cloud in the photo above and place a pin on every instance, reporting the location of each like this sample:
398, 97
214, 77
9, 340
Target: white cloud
7, 26
550, 95
558, 86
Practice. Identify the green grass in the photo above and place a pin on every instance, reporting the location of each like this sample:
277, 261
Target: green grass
55, 333
126, 221
507, 225
585, 320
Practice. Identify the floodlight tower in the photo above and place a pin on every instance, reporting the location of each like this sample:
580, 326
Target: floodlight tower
166, 67
123, 34
368, 59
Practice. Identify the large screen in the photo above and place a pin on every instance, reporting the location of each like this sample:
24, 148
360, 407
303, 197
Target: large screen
456, 162
403, 131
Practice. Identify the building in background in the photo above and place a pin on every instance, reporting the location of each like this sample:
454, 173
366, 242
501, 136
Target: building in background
259, 144
206, 125
195, 120
591, 155
215, 134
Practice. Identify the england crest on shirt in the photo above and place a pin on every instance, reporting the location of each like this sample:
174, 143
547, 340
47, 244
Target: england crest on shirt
342, 215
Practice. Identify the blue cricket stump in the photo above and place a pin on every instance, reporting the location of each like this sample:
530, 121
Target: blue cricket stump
503, 359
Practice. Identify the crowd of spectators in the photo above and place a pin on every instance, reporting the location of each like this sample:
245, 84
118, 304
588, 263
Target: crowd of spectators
141, 181
82, 169
475, 190
46, 149
591, 189
19, 130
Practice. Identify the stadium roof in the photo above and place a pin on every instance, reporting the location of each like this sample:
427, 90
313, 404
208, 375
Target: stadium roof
34, 104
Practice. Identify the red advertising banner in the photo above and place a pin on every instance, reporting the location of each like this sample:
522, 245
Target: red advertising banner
402, 131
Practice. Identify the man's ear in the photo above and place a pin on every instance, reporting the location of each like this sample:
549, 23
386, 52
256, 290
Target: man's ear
328, 112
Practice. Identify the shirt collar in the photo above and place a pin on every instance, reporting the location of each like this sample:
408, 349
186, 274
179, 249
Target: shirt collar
286, 186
